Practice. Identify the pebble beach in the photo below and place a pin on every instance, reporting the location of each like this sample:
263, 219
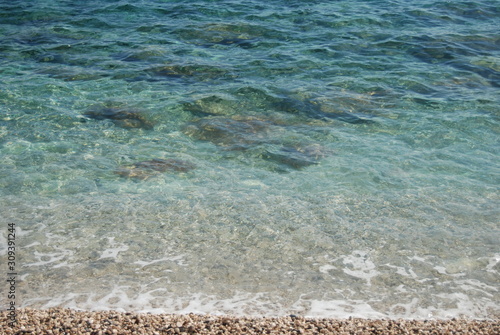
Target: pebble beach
68, 321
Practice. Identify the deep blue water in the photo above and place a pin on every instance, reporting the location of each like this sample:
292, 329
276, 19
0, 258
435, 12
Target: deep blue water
324, 158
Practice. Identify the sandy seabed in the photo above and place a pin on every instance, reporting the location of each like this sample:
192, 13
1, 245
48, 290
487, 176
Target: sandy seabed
68, 321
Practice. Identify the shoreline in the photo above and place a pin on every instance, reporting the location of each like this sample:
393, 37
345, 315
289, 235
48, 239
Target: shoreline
69, 321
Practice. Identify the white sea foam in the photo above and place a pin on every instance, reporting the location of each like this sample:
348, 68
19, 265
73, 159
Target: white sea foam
260, 304
360, 266
492, 263
3, 244
326, 268
403, 271
53, 258
22, 232
342, 309
179, 260
440, 269
113, 252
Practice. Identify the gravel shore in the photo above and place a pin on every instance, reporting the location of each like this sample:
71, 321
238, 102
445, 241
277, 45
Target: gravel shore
67, 321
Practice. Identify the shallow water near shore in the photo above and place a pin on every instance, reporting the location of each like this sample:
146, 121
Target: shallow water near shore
253, 158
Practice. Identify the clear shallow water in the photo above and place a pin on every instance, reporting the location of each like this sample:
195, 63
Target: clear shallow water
346, 156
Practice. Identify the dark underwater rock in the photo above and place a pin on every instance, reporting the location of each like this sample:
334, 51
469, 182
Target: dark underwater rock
432, 54
146, 169
296, 106
188, 71
313, 110
309, 108
145, 55
120, 117
245, 43
221, 34
491, 75
50, 58
68, 73
211, 106
259, 136
257, 95
230, 133
297, 156
456, 53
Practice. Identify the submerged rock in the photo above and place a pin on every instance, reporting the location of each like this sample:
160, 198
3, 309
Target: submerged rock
314, 110
211, 106
260, 137
187, 71
221, 34
310, 108
146, 169
452, 54
120, 117
230, 133
144, 55
258, 95
297, 156
245, 43
67, 73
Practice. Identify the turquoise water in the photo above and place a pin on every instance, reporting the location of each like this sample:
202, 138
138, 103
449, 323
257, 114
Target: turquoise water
322, 158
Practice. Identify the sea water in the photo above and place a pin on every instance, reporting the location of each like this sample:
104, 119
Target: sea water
344, 156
